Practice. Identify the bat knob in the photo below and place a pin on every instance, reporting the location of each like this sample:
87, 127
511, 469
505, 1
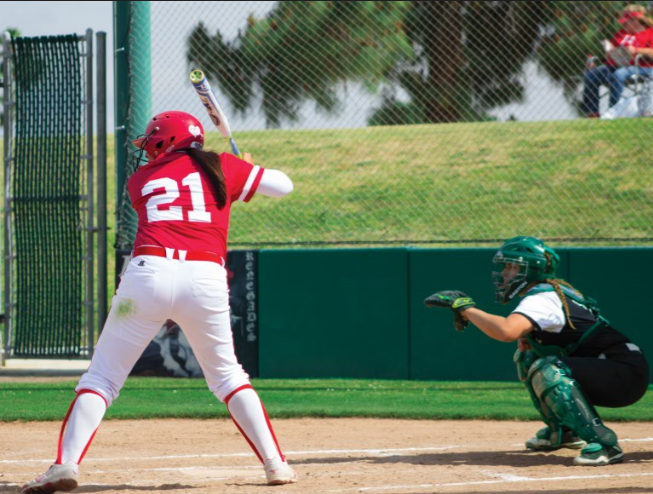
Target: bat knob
196, 76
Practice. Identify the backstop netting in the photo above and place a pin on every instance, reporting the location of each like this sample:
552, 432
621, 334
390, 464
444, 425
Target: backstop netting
453, 122
46, 202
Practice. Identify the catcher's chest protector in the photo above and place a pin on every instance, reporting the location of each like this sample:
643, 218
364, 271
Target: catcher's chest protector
587, 322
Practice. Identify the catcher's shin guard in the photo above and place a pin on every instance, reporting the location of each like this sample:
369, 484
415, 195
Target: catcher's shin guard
551, 381
524, 361
554, 436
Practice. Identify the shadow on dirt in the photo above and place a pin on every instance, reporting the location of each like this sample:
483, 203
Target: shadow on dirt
512, 459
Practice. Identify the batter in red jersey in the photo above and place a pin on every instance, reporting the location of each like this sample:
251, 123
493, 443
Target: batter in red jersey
183, 196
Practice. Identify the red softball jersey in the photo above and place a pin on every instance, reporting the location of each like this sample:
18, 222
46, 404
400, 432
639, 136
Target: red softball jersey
643, 39
176, 205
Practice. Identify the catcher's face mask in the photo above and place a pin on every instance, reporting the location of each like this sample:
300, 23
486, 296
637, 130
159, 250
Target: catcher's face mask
509, 277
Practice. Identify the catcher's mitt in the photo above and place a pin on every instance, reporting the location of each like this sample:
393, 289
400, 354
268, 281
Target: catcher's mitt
456, 301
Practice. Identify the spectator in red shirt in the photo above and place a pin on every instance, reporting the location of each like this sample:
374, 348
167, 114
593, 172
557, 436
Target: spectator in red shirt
636, 38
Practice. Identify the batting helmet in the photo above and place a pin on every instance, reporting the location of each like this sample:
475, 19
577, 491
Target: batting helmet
169, 131
520, 261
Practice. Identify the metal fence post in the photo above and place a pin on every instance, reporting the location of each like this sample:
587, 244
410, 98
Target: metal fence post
7, 129
90, 227
102, 178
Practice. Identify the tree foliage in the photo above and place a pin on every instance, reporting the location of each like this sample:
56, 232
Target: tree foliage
301, 51
456, 60
470, 54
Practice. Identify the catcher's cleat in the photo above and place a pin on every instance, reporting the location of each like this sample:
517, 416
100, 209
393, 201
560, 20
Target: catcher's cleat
279, 472
598, 455
61, 477
544, 440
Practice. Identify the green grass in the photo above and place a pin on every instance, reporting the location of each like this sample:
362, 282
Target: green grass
143, 398
566, 179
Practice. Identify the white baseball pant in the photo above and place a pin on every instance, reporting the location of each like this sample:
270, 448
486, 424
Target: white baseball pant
153, 289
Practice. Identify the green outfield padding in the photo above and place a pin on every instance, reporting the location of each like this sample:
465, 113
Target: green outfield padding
360, 313
620, 279
437, 350
334, 313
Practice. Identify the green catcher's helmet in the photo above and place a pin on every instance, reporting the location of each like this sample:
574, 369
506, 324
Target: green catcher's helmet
520, 261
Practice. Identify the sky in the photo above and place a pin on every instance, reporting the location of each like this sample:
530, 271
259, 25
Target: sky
43, 18
52, 18
171, 24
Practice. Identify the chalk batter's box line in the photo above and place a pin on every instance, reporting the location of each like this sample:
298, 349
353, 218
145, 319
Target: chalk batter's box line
512, 480
379, 452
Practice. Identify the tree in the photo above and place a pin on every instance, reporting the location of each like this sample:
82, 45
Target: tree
469, 54
301, 51
456, 60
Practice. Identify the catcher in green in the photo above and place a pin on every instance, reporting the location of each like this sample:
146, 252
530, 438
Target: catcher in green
569, 356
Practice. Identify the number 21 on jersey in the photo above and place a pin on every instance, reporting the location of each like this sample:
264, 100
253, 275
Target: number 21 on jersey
171, 193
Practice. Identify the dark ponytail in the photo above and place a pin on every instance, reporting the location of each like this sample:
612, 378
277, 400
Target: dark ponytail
210, 163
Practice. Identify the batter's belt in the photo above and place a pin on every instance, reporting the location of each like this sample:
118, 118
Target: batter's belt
184, 255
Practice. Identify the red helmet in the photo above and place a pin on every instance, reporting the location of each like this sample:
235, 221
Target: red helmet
169, 131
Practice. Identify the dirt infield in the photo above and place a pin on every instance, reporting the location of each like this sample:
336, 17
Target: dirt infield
345, 456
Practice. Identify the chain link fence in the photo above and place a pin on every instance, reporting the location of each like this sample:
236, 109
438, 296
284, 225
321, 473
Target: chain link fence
453, 122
